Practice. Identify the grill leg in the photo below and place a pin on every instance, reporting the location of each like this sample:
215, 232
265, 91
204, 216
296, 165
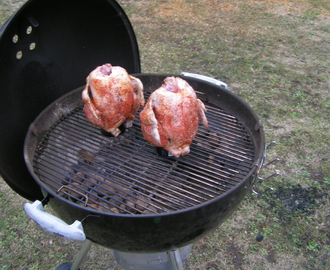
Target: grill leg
81, 255
176, 259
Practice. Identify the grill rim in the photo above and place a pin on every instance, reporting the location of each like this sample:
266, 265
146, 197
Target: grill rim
42, 176
70, 101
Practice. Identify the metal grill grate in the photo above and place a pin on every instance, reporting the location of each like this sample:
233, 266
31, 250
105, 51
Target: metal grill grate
126, 175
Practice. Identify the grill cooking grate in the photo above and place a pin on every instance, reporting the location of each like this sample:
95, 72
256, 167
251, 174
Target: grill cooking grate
126, 175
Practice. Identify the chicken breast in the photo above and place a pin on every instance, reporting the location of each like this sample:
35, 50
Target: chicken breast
112, 97
170, 117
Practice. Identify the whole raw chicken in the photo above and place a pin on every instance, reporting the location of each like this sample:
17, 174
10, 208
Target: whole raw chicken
170, 117
112, 97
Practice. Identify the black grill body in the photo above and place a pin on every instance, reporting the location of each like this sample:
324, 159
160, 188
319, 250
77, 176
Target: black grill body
196, 210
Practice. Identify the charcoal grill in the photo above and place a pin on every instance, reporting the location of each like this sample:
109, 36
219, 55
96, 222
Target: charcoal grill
116, 192
125, 192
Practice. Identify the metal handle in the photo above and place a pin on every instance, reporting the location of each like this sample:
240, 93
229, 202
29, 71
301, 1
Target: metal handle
205, 78
258, 179
53, 224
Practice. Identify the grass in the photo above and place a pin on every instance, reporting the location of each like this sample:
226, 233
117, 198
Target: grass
275, 55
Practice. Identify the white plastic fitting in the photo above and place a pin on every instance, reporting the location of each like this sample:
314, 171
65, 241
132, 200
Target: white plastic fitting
205, 78
53, 224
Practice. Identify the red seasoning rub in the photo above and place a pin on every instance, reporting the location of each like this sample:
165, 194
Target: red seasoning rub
112, 97
170, 117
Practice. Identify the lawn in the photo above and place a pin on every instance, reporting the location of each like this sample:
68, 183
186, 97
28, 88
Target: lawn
273, 54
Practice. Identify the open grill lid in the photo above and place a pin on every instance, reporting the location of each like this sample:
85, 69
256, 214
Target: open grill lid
47, 48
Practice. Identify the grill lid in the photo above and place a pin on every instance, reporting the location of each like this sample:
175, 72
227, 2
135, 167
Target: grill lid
125, 174
47, 48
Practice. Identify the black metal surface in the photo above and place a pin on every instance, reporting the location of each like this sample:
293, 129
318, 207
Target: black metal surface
47, 48
189, 196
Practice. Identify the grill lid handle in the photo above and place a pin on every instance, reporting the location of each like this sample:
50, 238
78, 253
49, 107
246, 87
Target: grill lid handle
205, 78
53, 224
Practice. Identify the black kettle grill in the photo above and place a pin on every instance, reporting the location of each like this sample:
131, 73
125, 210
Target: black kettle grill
142, 202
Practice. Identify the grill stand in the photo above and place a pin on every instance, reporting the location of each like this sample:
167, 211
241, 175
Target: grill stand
81, 255
78, 259
170, 260
176, 259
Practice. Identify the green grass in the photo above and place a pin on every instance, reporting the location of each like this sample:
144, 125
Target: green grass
275, 55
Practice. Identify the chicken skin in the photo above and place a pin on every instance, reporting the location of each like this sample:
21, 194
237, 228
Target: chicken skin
170, 117
112, 97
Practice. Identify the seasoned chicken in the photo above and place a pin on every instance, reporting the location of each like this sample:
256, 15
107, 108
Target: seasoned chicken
170, 117
112, 97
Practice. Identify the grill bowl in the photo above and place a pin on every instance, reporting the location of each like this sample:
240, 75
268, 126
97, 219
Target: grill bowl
162, 230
